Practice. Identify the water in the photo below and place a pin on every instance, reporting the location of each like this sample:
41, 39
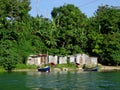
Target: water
60, 81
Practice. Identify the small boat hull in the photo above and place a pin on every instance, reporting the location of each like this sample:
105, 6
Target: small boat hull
91, 69
46, 69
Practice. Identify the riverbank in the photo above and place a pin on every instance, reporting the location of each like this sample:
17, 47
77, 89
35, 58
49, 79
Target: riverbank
109, 68
101, 68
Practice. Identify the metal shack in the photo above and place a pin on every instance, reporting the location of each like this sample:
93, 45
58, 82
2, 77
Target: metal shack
37, 59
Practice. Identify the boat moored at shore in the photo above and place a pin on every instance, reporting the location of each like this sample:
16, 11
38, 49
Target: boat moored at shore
45, 69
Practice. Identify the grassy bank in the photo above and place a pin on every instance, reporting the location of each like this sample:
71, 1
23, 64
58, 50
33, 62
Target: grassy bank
24, 66
72, 66
2, 69
21, 67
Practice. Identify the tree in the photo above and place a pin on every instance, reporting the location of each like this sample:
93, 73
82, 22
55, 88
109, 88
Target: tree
8, 55
95, 38
70, 22
103, 34
12, 15
108, 18
46, 31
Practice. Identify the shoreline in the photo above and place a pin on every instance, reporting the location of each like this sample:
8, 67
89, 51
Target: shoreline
109, 68
101, 69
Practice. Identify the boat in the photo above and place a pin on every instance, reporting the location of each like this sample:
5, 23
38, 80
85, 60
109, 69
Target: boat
89, 69
45, 69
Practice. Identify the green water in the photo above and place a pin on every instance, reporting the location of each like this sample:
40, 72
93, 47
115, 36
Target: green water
60, 81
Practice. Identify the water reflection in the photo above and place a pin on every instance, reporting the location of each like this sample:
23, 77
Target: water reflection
60, 81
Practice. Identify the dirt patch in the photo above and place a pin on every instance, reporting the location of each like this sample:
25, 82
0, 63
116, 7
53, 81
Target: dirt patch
110, 68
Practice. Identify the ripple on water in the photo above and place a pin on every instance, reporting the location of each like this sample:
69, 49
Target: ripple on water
60, 81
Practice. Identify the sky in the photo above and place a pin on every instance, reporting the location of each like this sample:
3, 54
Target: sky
88, 7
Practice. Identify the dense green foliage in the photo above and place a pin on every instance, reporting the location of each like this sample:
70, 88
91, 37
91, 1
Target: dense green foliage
104, 33
68, 32
71, 23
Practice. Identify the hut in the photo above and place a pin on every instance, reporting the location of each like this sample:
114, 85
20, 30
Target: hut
53, 59
37, 59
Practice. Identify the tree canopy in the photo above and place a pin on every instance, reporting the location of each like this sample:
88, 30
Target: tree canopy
71, 23
104, 34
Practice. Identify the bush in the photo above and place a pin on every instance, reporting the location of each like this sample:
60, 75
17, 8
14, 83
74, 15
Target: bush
1, 69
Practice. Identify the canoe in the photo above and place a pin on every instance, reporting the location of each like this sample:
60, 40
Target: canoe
45, 69
91, 69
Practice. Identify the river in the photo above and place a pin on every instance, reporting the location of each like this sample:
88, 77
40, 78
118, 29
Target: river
60, 81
